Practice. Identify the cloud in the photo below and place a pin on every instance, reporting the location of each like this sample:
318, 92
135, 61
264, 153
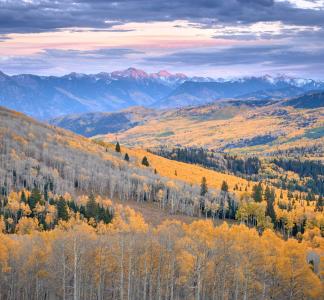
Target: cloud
3, 38
268, 55
103, 53
18, 16
63, 61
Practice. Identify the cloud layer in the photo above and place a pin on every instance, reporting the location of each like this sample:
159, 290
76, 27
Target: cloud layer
46, 15
57, 36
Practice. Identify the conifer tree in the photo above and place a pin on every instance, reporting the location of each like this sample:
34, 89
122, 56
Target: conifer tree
281, 195
320, 203
126, 157
117, 148
62, 212
34, 198
203, 187
257, 192
145, 162
23, 197
224, 186
91, 207
270, 197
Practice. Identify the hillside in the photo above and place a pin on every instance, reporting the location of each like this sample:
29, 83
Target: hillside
52, 159
64, 207
91, 124
311, 100
230, 127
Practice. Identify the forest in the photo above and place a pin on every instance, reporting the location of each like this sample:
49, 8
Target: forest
310, 170
65, 235
129, 259
213, 160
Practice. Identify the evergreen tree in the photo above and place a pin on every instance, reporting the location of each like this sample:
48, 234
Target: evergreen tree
126, 157
320, 203
117, 148
34, 198
91, 207
104, 215
257, 192
309, 196
203, 187
145, 161
270, 196
62, 212
281, 195
224, 186
23, 197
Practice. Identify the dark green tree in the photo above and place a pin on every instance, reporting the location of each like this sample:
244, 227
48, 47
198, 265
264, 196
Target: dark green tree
91, 207
145, 161
117, 148
224, 186
35, 197
62, 211
203, 187
126, 157
257, 192
23, 197
270, 197
320, 203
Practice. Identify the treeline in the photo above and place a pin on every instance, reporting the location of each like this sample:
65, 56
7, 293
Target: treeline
210, 159
304, 168
127, 259
312, 173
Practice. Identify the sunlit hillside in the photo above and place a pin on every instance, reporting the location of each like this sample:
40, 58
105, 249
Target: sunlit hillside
234, 129
64, 196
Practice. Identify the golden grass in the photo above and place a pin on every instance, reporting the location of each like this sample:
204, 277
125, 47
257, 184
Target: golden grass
181, 128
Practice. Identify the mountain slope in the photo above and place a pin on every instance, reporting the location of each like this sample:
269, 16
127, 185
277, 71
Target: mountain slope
33, 154
230, 127
91, 124
266, 87
46, 97
310, 100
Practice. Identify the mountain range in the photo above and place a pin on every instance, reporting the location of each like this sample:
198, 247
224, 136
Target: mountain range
46, 97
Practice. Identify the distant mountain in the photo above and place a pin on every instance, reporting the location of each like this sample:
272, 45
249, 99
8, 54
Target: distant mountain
266, 87
46, 97
310, 100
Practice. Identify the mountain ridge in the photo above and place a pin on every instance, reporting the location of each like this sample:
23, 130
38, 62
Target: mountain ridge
46, 97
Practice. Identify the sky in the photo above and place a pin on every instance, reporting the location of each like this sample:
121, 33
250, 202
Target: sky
214, 38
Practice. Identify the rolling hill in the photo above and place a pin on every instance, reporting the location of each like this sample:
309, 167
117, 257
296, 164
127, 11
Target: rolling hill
236, 126
310, 100
33, 154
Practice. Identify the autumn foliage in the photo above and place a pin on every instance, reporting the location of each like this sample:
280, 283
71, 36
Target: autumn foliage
128, 259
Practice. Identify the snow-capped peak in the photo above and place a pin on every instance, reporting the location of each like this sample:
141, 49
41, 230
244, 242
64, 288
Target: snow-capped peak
164, 73
130, 72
